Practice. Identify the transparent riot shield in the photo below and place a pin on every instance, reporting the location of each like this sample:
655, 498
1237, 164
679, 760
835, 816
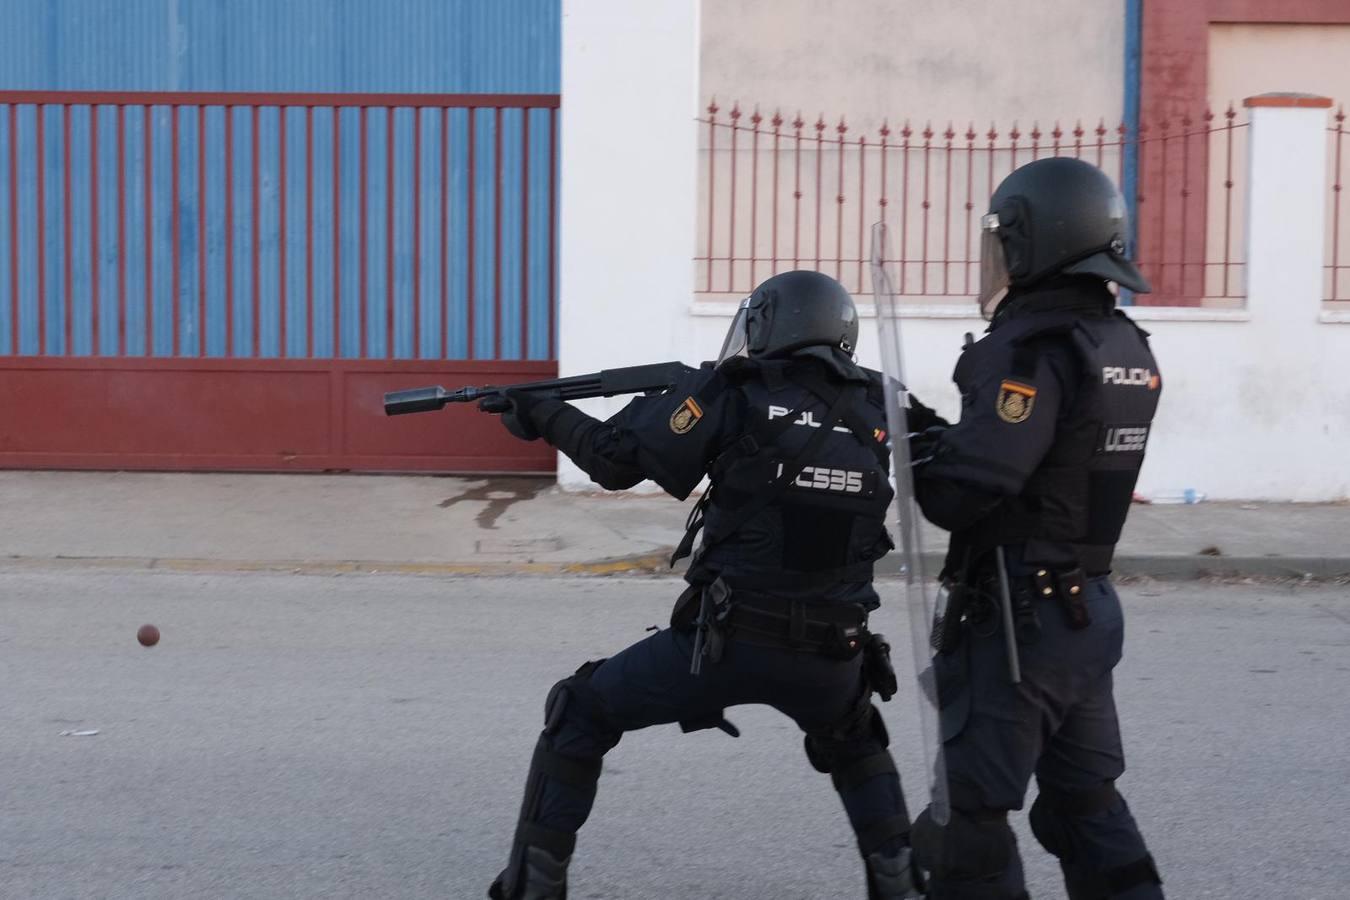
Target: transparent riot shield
920, 596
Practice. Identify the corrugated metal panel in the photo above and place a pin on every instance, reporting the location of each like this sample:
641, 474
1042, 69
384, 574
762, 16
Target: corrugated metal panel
184, 263
424, 46
188, 274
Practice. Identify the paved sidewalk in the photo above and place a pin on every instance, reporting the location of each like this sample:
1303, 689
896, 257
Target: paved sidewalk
443, 525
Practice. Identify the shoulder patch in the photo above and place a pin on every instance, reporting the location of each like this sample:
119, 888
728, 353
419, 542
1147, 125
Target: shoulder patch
685, 416
1015, 401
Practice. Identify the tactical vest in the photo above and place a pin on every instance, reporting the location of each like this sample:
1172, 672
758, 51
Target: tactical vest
798, 503
1072, 510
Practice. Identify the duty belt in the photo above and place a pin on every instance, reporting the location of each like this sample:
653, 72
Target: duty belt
838, 631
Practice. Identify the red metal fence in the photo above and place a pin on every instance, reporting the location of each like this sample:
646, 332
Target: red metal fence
232, 280
782, 193
1338, 213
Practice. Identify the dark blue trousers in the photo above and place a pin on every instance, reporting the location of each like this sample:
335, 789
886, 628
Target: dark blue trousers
649, 683
1059, 725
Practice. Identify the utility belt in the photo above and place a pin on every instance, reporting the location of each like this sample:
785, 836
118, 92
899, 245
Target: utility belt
836, 631
974, 600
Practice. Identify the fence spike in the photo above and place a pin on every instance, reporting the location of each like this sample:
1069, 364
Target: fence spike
906, 131
1078, 130
820, 123
842, 128
992, 134
713, 107
1035, 131
970, 132
885, 128
1015, 133
1058, 132
949, 133
928, 132
1231, 114
798, 122
1209, 116
755, 117
777, 119
735, 111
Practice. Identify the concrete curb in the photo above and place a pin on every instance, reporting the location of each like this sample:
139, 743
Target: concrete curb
1174, 567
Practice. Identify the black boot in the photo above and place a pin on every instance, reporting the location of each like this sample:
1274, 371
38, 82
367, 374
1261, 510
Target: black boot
542, 876
892, 876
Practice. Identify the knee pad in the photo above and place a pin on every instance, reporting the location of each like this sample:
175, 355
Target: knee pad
973, 845
1055, 815
575, 700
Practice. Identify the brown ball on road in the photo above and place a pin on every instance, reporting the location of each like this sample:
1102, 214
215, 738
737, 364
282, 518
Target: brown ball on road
148, 635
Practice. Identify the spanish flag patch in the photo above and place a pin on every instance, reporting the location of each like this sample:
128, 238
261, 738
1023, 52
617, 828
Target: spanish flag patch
1015, 401
685, 416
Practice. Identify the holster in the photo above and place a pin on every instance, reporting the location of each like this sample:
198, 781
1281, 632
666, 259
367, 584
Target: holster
877, 667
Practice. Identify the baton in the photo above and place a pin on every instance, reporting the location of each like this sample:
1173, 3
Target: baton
1005, 607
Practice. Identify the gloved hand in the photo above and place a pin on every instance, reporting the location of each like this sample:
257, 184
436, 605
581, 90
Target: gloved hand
920, 418
515, 408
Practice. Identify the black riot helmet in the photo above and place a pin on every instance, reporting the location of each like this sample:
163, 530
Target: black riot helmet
1054, 216
790, 311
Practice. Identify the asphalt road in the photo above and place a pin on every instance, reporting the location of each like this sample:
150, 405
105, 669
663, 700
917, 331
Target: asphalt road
367, 736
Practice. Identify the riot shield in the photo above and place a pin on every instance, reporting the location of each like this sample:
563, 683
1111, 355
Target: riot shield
920, 598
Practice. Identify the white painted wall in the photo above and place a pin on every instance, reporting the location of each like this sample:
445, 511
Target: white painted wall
627, 193
1256, 402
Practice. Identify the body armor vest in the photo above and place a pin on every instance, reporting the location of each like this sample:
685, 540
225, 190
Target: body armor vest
1074, 506
798, 503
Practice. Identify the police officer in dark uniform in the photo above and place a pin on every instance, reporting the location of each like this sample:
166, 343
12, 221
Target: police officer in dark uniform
792, 434
1037, 477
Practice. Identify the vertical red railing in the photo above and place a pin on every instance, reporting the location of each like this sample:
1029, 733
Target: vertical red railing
202, 249
94, 263
229, 230
841, 129
731, 201
121, 235
820, 159
797, 124
938, 213
497, 236
1336, 189
337, 234
255, 275
445, 229
712, 183
390, 226
175, 223
41, 230
777, 134
524, 234
905, 133
15, 323
755, 120
417, 236
67, 233
309, 231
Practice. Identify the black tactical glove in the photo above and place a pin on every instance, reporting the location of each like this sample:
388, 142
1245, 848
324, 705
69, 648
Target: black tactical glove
515, 408
919, 417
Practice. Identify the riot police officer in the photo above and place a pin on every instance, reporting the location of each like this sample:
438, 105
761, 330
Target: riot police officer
792, 434
1037, 478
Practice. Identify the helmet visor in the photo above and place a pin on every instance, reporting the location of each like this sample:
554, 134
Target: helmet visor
737, 341
993, 266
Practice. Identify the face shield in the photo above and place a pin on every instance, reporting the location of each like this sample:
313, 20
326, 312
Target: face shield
993, 266
737, 342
